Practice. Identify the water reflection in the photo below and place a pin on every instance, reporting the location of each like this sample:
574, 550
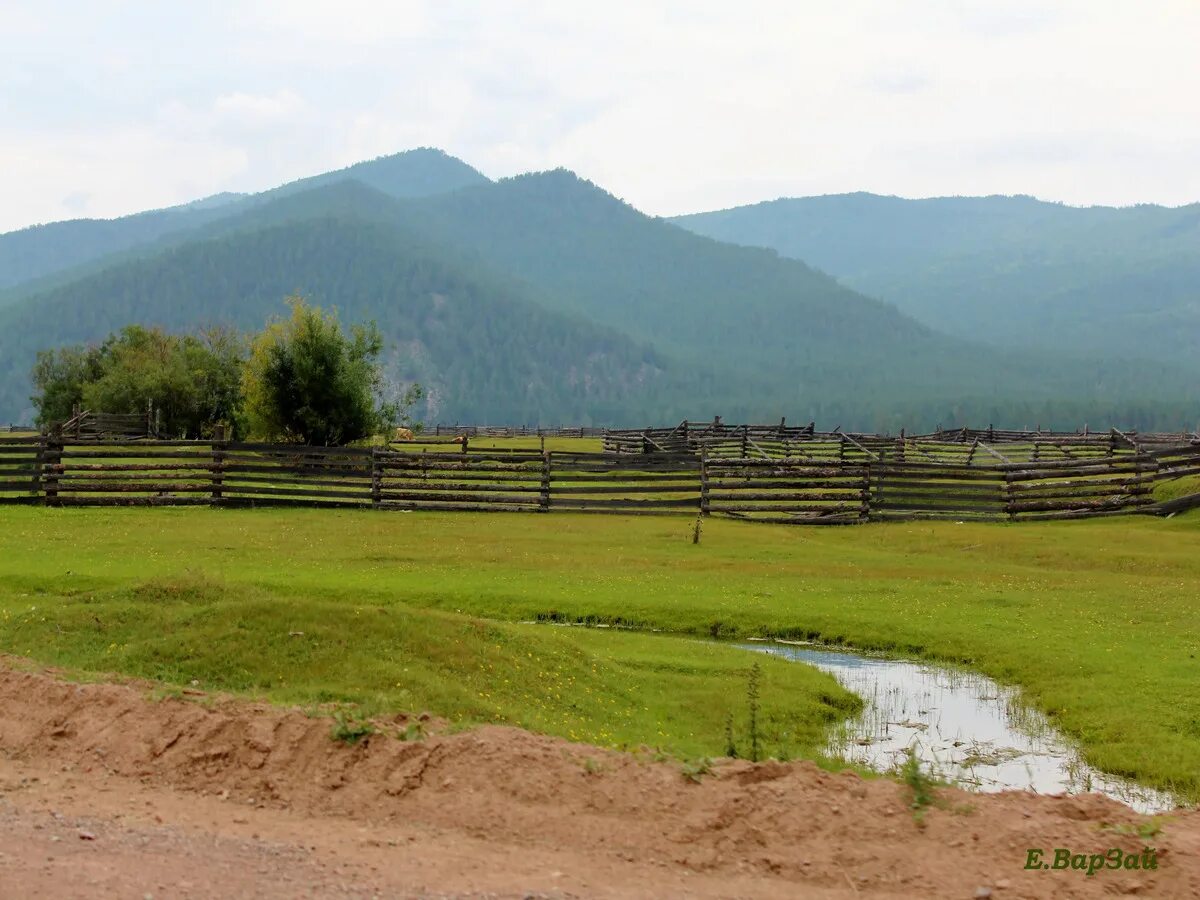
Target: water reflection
964, 726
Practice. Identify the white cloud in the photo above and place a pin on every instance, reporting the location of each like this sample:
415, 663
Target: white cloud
675, 106
108, 174
258, 109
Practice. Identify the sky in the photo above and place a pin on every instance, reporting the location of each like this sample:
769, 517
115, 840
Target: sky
110, 107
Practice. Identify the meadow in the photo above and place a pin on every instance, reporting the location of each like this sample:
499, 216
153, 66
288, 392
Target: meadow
1097, 621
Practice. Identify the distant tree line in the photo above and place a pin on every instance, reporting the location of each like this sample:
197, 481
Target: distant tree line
303, 378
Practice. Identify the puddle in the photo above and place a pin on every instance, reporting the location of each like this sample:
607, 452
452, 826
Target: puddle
965, 727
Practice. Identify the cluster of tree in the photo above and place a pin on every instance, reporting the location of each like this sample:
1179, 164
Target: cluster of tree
303, 378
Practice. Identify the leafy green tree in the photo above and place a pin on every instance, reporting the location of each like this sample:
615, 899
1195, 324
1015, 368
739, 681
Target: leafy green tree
192, 381
59, 378
307, 380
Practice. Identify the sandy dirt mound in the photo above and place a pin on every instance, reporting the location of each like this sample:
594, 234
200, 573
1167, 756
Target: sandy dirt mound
238, 799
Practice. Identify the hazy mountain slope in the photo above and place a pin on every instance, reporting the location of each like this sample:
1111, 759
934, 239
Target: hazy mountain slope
42, 250
482, 351
1010, 270
599, 256
46, 250
413, 173
742, 310
490, 293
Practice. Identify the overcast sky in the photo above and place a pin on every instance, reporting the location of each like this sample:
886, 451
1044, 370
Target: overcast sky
112, 107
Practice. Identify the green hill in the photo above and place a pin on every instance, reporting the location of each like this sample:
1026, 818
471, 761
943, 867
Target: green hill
46, 250
1014, 271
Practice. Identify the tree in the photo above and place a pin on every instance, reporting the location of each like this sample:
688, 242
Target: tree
59, 377
192, 381
307, 380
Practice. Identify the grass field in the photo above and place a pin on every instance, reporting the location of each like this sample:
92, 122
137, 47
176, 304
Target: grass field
1177, 487
1098, 621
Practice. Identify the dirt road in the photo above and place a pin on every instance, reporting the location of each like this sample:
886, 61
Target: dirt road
105, 792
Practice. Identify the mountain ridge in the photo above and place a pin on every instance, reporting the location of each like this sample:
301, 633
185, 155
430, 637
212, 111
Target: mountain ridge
660, 323
38, 251
1015, 271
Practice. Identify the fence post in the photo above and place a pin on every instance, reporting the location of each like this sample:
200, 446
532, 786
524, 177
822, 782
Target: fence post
52, 466
544, 495
376, 478
704, 503
39, 463
878, 477
1009, 497
745, 440
218, 463
864, 512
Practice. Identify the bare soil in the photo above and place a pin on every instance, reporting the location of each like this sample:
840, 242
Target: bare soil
107, 792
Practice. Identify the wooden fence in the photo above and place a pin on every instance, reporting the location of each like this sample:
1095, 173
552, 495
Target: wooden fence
960, 445
95, 425
567, 431
843, 483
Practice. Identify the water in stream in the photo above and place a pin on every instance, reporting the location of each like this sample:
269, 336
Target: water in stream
965, 727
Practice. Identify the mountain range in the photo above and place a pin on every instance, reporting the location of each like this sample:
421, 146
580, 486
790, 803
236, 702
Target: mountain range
544, 299
1014, 271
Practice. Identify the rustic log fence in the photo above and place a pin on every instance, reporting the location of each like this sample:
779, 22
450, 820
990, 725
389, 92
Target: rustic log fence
95, 425
852, 479
566, 431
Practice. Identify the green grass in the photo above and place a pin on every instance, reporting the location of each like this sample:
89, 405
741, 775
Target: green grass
1098, 621
302, 647
1176, 488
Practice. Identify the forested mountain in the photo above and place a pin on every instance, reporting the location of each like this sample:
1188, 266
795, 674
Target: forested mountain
739, 311
1014, 271
480, 349
542, 298
44, 250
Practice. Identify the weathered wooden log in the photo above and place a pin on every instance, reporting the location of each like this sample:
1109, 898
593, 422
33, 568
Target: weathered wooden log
566, 475
1099, 504
613, 503
739, 496
565, 490
28, 484
789, 507
889, 504
388, 496
1082, 494
238, 490
299, 449
1028, 486
203, 464
514, 487
239, 482
1077, 470
79, 486
888, 515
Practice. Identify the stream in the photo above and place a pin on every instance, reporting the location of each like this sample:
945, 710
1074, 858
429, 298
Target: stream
967, 729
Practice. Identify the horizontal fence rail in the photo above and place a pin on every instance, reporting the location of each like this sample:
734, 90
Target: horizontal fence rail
566, 431
817, 480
